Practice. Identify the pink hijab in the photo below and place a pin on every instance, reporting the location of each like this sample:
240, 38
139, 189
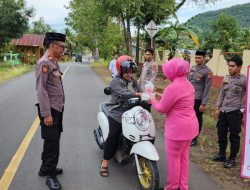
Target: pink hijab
175, 68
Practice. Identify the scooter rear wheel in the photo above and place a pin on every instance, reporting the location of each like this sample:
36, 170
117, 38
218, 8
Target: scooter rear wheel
150, 179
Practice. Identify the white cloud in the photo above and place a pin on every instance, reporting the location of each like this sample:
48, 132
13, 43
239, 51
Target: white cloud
53, 12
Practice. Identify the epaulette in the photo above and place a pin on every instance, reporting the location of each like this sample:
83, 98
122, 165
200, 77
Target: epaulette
225, 80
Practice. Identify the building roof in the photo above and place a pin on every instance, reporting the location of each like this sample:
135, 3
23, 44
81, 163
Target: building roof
29, 40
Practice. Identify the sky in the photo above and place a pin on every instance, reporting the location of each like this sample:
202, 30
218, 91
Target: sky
54, 12
189, 10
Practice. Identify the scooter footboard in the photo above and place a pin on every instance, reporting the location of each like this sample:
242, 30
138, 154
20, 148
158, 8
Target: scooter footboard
145, 149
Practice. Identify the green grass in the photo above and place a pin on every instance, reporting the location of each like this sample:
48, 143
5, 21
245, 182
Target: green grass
99, 64
209, 122
8, 72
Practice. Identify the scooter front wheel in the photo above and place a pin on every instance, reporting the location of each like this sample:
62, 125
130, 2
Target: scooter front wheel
149, 179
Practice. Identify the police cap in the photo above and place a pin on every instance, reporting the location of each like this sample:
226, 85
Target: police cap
53, 36
200, 52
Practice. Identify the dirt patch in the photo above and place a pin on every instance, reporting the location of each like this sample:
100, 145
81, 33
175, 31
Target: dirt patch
227, 179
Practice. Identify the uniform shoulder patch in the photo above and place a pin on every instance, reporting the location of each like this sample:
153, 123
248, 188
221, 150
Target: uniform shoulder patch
45, 68
209, 74
225, 80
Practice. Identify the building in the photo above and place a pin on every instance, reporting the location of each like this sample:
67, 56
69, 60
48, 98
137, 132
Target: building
30, 47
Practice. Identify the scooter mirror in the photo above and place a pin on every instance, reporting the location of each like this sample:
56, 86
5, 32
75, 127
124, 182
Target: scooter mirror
107, 91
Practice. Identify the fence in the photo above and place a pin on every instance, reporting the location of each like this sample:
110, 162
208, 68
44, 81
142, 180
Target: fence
10, 58
217, 62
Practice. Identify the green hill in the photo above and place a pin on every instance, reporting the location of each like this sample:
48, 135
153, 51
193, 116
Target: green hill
240, 12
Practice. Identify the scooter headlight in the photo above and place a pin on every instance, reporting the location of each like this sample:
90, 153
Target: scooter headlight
141, 120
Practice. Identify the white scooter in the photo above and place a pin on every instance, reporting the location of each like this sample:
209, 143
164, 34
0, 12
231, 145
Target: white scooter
136, 140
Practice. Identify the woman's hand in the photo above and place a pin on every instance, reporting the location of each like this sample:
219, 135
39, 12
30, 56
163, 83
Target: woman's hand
138, 94
151, 97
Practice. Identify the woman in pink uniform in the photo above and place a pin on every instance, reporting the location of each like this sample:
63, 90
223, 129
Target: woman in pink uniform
181, 125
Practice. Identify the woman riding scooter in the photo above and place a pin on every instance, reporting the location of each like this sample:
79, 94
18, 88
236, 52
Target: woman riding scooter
125, 87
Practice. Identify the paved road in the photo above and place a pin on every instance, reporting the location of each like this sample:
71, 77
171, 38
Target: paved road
80, 156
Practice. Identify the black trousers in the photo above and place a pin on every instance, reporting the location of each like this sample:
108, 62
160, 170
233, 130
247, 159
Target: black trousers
229, 122
51, 146
199, 115
111, 144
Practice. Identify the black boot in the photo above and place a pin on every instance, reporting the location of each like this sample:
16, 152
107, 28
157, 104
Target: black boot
219, 158
53, 183
229, 163
194, 142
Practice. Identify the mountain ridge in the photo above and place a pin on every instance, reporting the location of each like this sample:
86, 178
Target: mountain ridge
240, 12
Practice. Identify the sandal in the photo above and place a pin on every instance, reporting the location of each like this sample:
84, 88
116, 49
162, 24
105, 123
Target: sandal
104, 171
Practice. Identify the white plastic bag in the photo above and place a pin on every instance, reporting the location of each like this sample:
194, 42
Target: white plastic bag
149, 88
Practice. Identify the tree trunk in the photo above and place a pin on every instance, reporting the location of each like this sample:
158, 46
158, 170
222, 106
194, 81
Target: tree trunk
125, 34
129, 37
137, 46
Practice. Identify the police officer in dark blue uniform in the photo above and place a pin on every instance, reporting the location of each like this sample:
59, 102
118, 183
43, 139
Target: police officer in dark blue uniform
50, 96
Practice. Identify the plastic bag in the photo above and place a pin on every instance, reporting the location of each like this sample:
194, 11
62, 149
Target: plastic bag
149, 88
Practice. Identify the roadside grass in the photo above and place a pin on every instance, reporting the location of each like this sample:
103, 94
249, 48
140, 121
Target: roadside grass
101, 63
227, 179
8, 71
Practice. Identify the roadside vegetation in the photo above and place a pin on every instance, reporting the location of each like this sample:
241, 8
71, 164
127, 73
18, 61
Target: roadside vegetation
8, 71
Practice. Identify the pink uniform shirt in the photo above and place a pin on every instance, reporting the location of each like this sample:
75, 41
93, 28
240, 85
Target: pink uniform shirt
177, 102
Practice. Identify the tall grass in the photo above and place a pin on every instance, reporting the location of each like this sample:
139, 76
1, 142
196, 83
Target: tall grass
209, 122
101, 63
8, 72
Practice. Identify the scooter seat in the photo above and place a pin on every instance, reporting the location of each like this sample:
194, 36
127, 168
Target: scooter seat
105, 109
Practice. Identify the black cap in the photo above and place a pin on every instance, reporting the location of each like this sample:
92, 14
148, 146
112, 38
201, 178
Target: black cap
53, 36
200, 52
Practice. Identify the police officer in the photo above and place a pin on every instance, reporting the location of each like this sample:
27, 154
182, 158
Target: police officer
50, 95
148, 73
149, 69
228, 110
200, 76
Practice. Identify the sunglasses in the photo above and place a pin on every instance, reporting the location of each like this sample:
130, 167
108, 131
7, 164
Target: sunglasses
60, 45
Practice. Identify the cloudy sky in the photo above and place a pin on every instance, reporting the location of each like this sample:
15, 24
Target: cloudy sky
54, 12
190, 9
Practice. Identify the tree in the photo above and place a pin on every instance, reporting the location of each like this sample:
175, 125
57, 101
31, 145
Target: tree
70, 41
88, 20
124, 11
223, 34
179, 36
14, 19
111, 41
40, 27
94, 29
140, 12
91, 18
